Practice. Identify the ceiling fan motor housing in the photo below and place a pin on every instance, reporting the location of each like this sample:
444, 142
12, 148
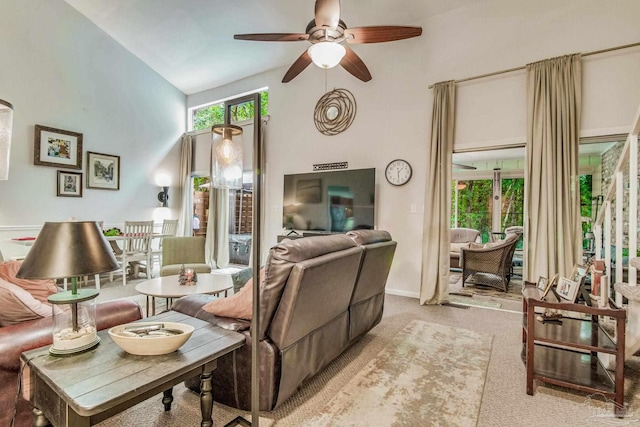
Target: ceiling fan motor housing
317, 34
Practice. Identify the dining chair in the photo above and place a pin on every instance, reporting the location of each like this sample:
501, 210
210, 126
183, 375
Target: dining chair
169, 229
136, 248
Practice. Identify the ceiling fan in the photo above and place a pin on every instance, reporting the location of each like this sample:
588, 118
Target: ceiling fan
326, 32
461, 166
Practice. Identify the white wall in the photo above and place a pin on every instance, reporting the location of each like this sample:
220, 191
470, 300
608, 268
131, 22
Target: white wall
394, 109
59, 70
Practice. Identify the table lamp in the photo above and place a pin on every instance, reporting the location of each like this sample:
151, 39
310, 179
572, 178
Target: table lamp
70, 249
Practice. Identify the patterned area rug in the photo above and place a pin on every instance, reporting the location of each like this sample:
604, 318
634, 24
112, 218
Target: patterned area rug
418, 374
429, 375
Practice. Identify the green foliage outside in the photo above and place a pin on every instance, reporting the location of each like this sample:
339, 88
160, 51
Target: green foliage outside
198, 181
474, 204
206, 117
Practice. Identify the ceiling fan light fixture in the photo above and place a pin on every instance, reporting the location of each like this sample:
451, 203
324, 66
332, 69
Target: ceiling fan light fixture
326, 54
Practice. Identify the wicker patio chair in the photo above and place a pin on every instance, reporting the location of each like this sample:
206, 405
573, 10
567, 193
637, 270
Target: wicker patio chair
489, 265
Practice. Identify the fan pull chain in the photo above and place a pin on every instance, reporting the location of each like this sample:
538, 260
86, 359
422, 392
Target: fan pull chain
325, 79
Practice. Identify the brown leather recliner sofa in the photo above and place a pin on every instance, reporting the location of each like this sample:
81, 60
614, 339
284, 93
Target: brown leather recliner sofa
18, 338
319, 295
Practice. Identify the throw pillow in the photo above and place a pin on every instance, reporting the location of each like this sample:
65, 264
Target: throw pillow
455, 247
237, 306
240, 278
38, 288
19, 306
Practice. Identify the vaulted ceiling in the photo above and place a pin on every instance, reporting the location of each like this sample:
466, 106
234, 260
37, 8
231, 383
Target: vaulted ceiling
190, 42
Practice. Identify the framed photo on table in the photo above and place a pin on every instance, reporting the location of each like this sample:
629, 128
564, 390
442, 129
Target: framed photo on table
550, 284
69, 184
542, 283
57, 147
579, 273
567, 289
103, 171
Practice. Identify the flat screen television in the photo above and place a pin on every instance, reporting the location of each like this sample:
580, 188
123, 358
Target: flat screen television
330, 202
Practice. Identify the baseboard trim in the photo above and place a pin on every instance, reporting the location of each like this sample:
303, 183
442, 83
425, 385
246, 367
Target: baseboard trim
402, 293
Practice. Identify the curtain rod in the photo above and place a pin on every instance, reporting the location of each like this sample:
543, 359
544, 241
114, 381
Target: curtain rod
510, 70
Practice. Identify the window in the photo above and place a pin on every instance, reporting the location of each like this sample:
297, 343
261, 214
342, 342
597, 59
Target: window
213, 114
238, 111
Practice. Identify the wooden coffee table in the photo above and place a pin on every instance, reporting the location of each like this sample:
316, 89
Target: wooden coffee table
84, 389
168, 287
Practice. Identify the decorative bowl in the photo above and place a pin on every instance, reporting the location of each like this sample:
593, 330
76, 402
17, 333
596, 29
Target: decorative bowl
150, 343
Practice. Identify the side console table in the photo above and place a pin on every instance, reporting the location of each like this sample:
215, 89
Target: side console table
566, 353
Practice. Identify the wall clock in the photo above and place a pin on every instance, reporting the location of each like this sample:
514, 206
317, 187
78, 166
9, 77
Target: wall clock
398, 172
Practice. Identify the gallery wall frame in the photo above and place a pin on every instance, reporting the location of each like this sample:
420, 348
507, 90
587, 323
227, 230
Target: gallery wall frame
57, 148
103, 171
69, 184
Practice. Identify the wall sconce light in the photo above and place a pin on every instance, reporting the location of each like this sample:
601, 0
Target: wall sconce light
226, 162
461, 185
6, 126
163, 181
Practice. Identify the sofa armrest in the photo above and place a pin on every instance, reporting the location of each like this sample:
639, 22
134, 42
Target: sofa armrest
192, 305
16, 339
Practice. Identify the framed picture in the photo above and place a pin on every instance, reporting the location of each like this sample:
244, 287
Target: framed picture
57, 147
103, 171
579, 273
542, 283
567, 289
69, 184
550, 284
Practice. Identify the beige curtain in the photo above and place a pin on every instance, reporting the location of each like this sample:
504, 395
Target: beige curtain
552, 192
434, 287
217, 244
186, 186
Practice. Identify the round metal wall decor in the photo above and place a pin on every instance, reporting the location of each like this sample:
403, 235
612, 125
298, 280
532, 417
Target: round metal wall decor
335, 112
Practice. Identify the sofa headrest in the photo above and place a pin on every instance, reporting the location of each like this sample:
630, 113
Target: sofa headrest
366, 237
311, 247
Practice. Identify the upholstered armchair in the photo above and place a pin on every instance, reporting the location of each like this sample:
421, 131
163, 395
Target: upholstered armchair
489, 264
461, 238
187, 251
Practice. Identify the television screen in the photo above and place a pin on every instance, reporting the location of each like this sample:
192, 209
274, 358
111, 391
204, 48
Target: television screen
334, 201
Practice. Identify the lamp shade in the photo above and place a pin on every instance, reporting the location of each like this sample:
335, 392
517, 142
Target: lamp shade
326, 54
226, 161
68, 249
6, 126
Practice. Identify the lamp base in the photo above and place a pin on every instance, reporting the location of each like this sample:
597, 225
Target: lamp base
71, 351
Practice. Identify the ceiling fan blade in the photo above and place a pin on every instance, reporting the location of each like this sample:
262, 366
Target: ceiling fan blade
461, 166
381, 33
301, 63
327, 13
353, 64
272, 37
